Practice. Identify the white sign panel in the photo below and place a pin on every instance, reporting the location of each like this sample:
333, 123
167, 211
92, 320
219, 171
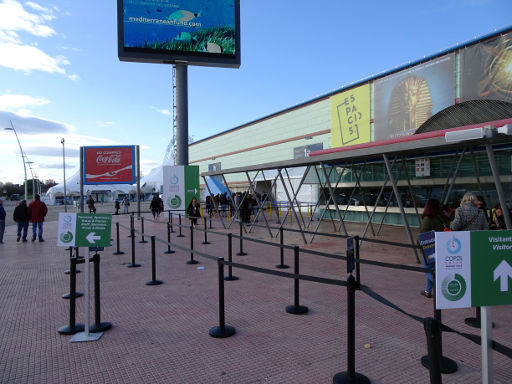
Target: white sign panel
453, 270
174, 187
66, 229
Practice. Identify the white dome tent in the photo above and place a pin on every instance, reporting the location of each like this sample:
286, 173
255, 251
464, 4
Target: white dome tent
149, 184
107, 192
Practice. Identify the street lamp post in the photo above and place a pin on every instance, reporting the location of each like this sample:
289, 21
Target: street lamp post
22, 155
64, 170
32, 173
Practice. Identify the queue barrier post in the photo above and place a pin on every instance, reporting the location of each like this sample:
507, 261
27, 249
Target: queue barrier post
241, 253
205, 231
230, 276
281, 249
142, 230
191, 260
358, 264
133, 264
179, 224
72, 326
132, 225
433, 332
350, 376
118, 251
447, 365
153, 280
296, 309
98, 325
169, 250
222, 330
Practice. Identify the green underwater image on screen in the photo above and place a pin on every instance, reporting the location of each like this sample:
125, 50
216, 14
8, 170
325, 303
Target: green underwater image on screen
186, 27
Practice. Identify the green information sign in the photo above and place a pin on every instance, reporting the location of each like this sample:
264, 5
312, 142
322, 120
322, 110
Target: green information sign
491, 268
473, 269
84, 230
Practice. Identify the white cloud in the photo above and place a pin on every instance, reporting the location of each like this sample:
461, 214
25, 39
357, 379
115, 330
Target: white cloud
25, 56
16, 102
33, 125
105, 124
162, 111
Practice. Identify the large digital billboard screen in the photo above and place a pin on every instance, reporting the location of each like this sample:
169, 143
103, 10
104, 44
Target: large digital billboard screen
195, 32
109, 165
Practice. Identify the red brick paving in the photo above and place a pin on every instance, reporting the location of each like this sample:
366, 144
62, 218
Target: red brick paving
160, 333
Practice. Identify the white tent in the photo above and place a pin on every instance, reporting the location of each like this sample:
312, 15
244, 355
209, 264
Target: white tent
149, 184
100, 192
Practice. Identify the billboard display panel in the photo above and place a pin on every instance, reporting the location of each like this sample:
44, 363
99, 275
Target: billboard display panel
485, 69
350, 117
195, 32
109, 165
405, 100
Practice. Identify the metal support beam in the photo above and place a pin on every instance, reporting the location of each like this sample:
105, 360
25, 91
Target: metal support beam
400, 205
293, 210
499, 186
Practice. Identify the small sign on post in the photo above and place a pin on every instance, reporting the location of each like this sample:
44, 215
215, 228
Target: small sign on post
84, 230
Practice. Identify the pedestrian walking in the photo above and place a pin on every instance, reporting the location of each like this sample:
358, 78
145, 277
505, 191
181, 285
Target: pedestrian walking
126, 203
37, 211
21, 217
193, 211
90, 204
2, 221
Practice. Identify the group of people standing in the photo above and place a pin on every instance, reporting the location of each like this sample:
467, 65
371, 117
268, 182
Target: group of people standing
245, 202
471, 215
34, 213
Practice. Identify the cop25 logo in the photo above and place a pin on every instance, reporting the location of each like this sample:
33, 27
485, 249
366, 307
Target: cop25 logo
453, 245
453, 287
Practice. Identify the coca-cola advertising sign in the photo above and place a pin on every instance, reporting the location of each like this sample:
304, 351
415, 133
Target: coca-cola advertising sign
109, 165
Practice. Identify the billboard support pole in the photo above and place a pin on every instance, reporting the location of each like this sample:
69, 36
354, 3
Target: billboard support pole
82, 179
181, 114
137, 150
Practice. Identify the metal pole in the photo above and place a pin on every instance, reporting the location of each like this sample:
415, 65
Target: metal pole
181, 114
22, 156
64, 171
499, 186
82, 179
137, 149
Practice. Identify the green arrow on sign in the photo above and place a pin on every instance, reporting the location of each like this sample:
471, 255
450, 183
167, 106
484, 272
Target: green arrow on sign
503, 271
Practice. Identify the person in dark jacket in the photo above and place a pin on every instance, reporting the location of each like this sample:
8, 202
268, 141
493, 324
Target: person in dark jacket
193, 211
21, 217
2, 221
37, 211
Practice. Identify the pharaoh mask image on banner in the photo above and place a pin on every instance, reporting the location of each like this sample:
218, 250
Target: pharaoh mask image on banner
410, 105
405, 100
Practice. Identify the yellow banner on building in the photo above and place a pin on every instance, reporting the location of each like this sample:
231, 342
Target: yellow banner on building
350, 117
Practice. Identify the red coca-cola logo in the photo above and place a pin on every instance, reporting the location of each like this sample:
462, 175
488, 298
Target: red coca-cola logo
108, 159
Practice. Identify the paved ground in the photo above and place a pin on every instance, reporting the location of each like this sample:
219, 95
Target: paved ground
160, 333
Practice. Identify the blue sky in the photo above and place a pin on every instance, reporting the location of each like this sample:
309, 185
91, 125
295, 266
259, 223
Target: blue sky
60, 76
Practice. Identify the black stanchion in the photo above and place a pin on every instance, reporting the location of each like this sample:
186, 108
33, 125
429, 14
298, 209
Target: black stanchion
281, 249
241, 253
98, 325
191, 261
73, 293
447, 365
170, 221
296, 309
358, 271
433, 333
68, 271
132, 225
118, 251
72, 327
350, 376
205, 232
153, 280
210, 221
169, 250
230, 276
222, 330
142, 230
179, 223
133, 264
